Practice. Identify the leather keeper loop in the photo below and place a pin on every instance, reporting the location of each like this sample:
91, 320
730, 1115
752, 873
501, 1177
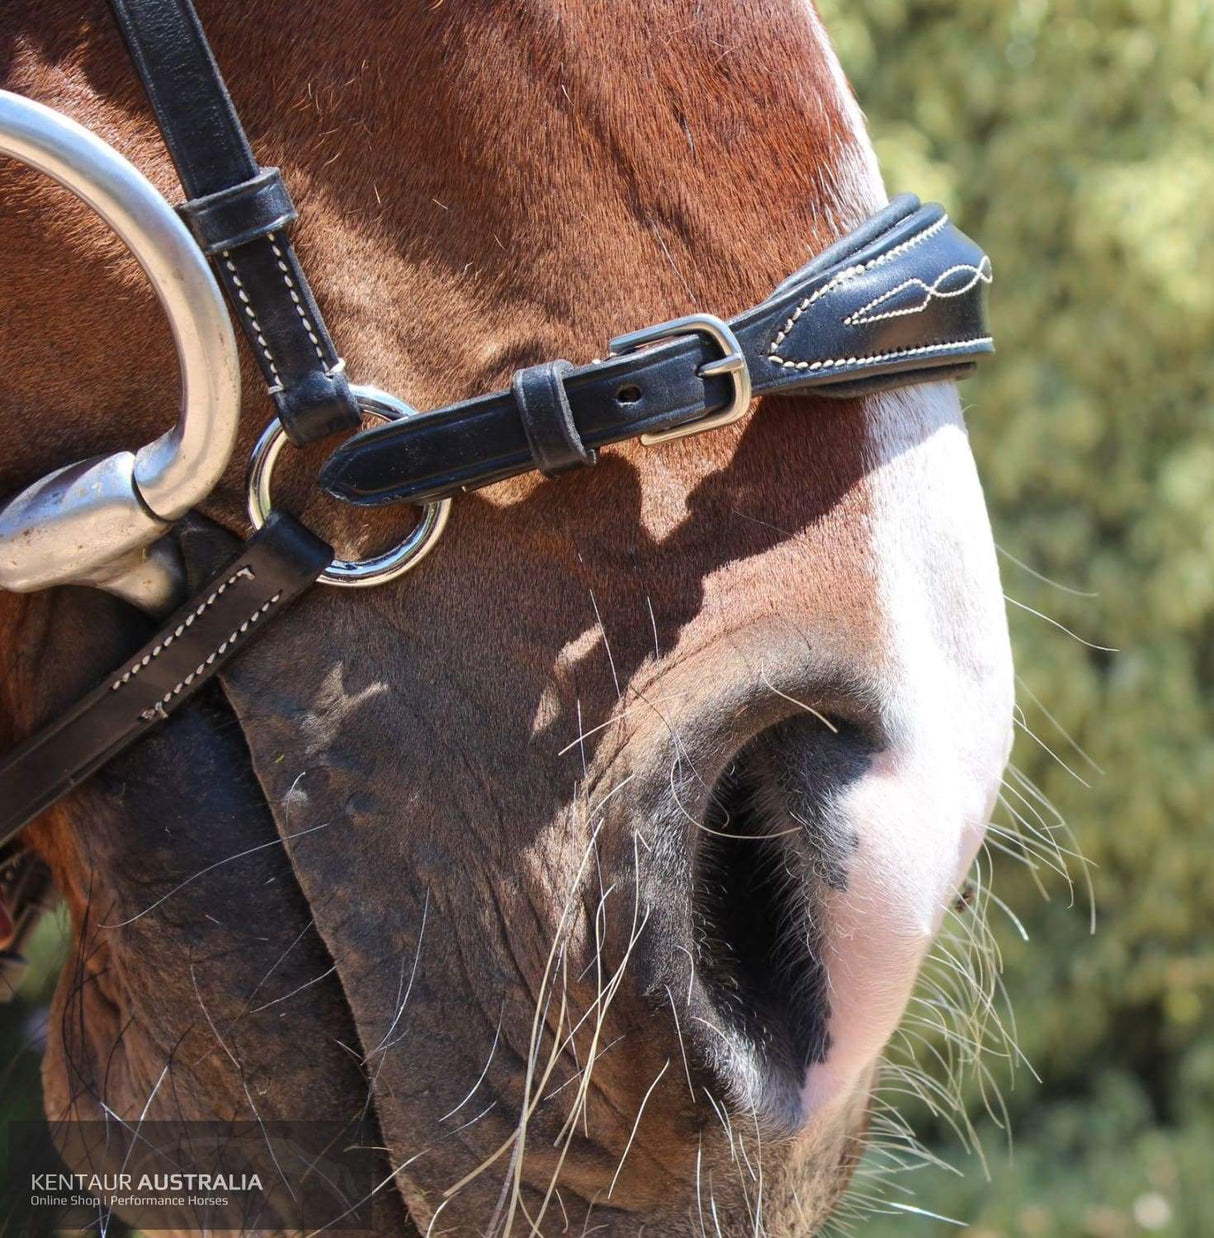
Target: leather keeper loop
317, 405
254, 208
543, 408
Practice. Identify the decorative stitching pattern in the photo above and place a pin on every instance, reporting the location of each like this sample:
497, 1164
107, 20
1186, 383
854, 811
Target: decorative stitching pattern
242, 573
931, 292
877, 358
247, 306
299, 309
851, 273
158, 709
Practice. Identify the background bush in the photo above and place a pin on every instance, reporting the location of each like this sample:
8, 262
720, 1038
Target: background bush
1076, 140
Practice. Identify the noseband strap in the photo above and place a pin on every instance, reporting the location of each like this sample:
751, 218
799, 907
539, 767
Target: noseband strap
901, 301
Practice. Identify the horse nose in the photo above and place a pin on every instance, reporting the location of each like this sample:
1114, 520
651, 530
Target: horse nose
800, 856
774, 848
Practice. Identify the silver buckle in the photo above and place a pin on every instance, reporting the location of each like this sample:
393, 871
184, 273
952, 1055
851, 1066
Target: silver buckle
731, 362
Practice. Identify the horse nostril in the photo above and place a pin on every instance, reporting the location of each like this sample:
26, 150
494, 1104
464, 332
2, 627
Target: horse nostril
758, 954
770, 846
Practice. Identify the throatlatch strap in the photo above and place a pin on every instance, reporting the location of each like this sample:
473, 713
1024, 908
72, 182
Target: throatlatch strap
273, 567
239, 213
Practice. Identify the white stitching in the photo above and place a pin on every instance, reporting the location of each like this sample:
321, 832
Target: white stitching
245, 573
299, 309
248, 309
931, 292
877, 358
851, 273
158, 710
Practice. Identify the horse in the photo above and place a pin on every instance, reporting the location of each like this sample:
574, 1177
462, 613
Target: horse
597, 859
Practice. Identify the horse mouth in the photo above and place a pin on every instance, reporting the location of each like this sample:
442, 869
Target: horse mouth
770, 850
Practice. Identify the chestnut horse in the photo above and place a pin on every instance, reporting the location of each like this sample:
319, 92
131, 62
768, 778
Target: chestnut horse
455, 849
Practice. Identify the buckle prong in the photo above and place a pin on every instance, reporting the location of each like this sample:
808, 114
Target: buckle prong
731, 362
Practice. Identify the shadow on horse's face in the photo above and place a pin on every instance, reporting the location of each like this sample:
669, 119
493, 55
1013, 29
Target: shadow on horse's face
601, 853
625, 825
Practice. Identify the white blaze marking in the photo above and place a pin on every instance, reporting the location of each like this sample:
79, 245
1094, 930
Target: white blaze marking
919, 812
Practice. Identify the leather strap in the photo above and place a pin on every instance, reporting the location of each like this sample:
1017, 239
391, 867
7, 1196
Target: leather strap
273, 567
239, 213
901, 300
543, 408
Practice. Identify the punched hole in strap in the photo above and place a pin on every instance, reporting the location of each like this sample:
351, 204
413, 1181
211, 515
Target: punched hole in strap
241, 213
543, 408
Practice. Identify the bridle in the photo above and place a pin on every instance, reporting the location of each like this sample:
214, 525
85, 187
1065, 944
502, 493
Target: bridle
901, 300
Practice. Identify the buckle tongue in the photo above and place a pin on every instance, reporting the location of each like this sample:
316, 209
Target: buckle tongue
730, 362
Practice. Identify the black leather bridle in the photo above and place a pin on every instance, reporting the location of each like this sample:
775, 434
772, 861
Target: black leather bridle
901, 300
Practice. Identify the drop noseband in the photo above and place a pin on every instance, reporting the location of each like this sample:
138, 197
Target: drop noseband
899, 301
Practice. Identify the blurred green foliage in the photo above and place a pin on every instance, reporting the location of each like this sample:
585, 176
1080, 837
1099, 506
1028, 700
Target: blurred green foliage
1075, 138
23, 1026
